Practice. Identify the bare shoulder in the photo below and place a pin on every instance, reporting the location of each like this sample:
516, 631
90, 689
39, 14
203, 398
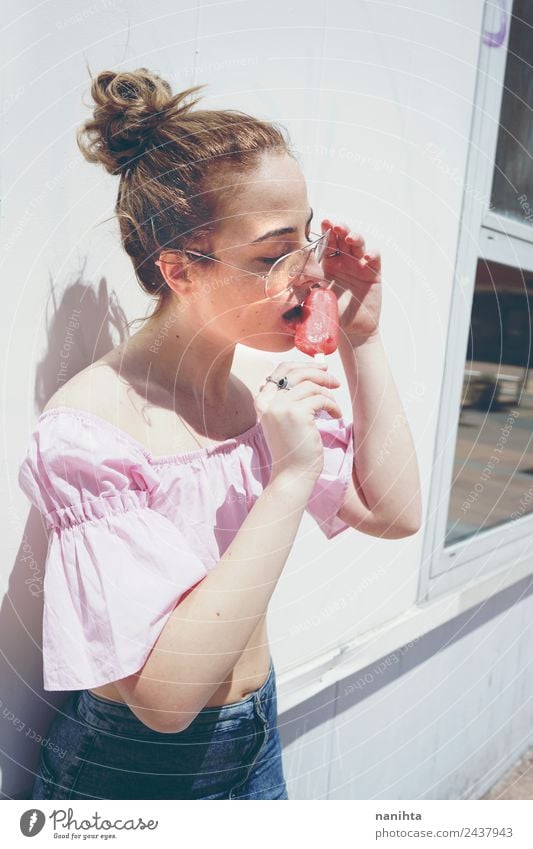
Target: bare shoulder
93, 389
115, 389
98, 387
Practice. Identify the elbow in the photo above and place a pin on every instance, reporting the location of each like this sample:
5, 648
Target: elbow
391, 531
152, 710
406, 524
402, 531
386, 528
398, 528
165, 727
404, 528
167, 718
163, 721
175, 723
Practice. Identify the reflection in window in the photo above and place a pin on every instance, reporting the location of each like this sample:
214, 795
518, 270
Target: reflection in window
493, 467
512, 189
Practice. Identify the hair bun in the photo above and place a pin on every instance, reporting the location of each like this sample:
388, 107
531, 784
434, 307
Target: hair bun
131, 106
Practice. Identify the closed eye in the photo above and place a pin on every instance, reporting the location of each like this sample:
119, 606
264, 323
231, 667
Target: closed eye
270, 260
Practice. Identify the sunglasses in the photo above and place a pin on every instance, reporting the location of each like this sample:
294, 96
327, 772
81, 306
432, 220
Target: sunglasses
287, 270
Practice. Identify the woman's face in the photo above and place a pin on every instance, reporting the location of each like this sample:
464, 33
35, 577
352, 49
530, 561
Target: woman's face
230, 305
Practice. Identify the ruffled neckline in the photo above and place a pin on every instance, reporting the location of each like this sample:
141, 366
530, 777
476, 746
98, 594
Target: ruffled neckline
217, 448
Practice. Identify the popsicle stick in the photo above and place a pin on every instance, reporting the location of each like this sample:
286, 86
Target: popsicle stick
320, 357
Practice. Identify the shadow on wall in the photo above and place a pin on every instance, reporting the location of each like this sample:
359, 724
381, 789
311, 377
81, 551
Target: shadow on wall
79, 330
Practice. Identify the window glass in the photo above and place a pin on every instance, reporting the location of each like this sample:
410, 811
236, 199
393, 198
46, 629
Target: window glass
493, 466
512, 188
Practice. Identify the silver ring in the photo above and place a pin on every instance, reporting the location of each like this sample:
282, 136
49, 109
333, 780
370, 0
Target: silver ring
282, 383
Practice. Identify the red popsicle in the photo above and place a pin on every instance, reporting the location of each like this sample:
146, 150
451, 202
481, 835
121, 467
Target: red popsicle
318, 331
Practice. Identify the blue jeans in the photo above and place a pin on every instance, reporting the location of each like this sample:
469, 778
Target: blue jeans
98, 749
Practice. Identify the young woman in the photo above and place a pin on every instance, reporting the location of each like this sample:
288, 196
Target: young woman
173, 483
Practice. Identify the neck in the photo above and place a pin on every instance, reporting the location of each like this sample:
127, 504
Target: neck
179, 357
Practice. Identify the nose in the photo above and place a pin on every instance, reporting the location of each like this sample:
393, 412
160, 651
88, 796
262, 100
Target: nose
312, 272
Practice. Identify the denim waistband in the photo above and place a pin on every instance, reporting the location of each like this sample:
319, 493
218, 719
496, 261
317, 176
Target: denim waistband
108, 715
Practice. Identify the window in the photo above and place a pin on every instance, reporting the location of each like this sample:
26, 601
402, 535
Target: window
493, 466
512, 187
481, 506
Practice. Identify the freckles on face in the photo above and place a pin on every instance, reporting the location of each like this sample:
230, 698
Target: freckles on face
257, 314
233, 317
260, 319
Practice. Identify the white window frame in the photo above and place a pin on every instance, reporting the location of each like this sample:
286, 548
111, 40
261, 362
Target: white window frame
502, 239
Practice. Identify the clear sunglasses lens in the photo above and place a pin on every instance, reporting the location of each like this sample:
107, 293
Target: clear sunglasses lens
286, 271
321, 248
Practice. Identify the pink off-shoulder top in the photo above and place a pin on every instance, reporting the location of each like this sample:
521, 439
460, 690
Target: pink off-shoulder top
130, 533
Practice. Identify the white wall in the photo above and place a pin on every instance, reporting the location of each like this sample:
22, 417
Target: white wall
363, 92
443, 718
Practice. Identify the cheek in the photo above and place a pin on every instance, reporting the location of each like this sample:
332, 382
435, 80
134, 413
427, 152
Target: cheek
232, 299
255, 315
243, 305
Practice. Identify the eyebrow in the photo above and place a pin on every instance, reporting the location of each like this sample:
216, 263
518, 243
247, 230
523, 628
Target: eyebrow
281, 231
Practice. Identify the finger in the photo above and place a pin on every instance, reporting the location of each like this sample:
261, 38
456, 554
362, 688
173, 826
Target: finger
373, 258
318, 376
305, 389
292, 364
316, 403
356, 245
286, 368
291, 368
268, 388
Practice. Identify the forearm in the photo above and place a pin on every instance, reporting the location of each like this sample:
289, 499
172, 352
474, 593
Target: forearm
385, 463
209, 629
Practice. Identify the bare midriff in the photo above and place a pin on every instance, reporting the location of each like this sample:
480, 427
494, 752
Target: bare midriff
248, 674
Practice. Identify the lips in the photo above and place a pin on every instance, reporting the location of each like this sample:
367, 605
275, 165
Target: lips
294, 314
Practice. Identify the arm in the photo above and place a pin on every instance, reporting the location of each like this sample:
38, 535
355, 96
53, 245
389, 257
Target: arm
187, 663
383, 498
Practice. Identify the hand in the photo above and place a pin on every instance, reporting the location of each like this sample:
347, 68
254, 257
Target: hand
356, 280
287, 418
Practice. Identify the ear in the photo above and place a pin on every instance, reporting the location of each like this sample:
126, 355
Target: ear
173, 267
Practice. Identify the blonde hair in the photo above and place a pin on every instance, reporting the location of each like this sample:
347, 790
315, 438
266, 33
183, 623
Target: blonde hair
168, 158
